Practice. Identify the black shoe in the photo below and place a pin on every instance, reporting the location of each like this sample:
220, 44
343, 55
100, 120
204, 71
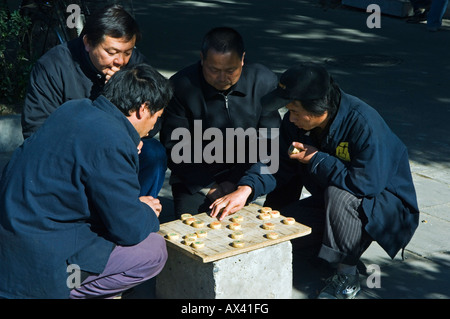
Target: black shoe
341, 286
418, 17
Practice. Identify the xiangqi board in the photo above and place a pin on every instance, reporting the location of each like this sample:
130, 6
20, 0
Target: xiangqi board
205, 238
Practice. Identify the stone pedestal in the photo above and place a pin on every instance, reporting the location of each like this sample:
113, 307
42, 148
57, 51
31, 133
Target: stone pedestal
263, 273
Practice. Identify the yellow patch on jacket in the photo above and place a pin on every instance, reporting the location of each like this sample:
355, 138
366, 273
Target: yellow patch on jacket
342, 151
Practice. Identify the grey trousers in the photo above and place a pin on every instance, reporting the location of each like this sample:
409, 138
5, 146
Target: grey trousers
337, 223
345, 239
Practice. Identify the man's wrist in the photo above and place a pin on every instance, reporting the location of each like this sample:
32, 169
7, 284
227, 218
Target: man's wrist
245, 189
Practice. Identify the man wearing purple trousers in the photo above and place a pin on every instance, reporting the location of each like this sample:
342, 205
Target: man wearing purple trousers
72, 221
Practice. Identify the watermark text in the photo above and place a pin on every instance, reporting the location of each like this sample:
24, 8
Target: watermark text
374, 279
374, 19
73, 20
235, 146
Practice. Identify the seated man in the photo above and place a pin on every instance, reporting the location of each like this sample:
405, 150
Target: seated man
219, 92
69, 197
80, 68
354, 166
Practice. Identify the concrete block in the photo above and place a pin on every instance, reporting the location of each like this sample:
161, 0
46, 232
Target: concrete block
399, 8
264, 273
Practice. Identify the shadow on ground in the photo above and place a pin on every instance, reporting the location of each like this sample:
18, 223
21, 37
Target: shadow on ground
400, 69
382, 278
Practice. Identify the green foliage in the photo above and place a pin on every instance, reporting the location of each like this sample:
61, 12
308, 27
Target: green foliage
15, 65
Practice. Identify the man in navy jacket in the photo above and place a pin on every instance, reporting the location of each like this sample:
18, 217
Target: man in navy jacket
355, 167
69, 197
80, 68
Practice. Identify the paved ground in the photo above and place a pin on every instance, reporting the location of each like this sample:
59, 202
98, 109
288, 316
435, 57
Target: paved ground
400, 69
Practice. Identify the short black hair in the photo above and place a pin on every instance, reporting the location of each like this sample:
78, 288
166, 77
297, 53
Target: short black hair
223, 40
329, 103
132, 86
113, 21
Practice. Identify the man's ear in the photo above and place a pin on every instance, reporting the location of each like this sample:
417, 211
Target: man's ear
141, 110
87, 47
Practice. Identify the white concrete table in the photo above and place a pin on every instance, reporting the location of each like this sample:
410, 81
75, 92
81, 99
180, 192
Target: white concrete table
261, 269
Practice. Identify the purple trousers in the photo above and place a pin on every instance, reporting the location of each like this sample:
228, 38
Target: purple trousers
127, 267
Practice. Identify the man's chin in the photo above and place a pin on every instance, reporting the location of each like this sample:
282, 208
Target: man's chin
222, 87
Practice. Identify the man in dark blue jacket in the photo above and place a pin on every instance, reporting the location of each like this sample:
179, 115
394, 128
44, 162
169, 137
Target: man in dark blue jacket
80, 68
69, 197
354, 166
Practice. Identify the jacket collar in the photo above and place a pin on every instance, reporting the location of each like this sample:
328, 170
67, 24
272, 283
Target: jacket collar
86, 64
342, 112
105, 105
326, 136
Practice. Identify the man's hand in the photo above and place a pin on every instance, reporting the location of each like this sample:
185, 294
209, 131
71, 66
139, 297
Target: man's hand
110, 72
306, 152
231, 203
220, 190
153, 203
139, 147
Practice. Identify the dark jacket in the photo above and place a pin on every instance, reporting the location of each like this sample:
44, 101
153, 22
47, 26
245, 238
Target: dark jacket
359, 154
69, 195
194, 99
62, 74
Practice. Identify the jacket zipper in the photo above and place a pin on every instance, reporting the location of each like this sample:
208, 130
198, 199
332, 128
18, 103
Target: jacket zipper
226, 106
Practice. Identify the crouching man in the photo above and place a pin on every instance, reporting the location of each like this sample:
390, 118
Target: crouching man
354, 166
70, 196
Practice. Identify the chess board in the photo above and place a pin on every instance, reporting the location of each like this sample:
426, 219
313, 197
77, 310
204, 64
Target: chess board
218, 243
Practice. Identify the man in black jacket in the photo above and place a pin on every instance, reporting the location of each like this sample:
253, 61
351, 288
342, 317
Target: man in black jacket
80, 68
215, 95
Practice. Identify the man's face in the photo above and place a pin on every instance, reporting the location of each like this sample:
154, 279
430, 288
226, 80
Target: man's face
303, 119
111, 54
222, 70
148, 121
